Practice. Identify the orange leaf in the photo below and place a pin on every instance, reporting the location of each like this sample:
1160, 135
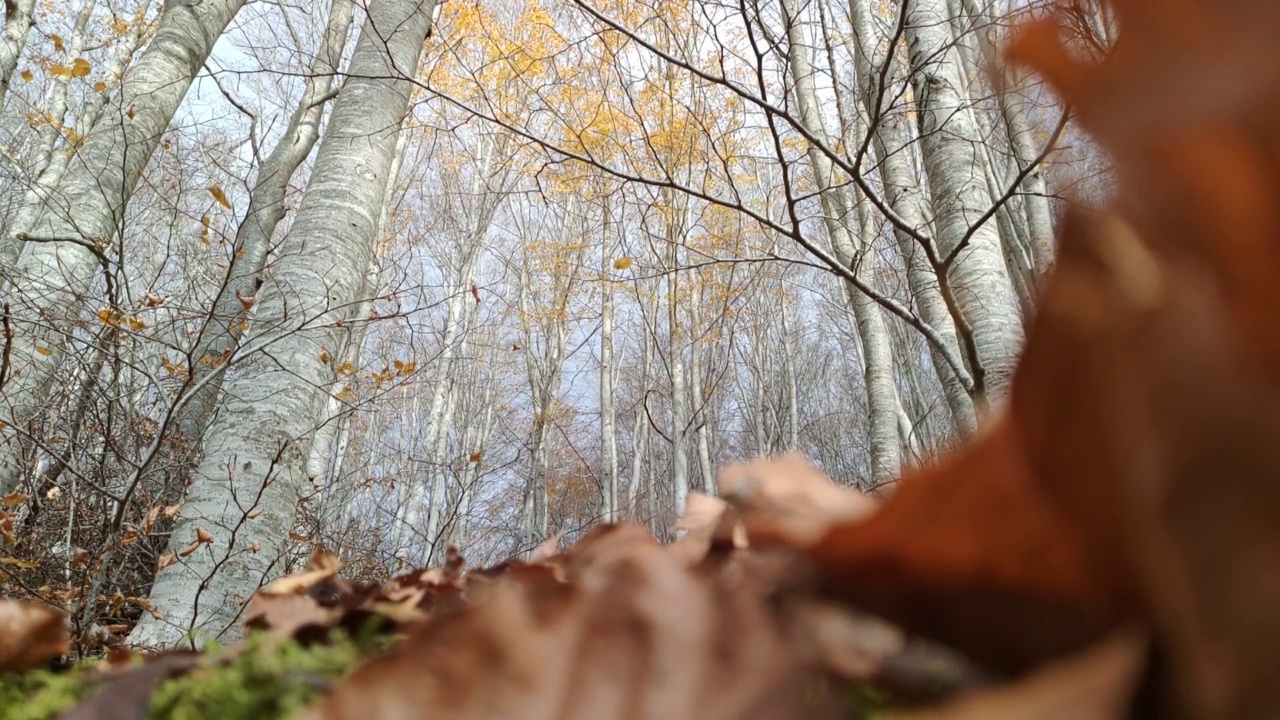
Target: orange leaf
216, 191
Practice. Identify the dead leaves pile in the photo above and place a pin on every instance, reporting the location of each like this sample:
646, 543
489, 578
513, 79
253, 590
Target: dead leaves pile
1108, 548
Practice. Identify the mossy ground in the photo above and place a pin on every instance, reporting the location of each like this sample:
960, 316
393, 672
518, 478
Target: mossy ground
262, 680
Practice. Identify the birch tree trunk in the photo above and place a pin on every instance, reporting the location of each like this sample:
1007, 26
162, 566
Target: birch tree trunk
608, 379
952, 146
54, 164
491, 188
882, 404
893, 139
640, 432
245, 492
79, 218
17, 25
229, 318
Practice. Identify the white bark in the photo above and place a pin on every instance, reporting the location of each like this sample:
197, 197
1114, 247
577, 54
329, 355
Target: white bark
952, 145
608, 379
893, 139
491, 188
17, 25
228, 320
81, 216
886, 449
255, 458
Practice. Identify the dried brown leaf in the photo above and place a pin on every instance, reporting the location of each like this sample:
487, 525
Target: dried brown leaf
321, 566
790, 497
1096, 684
31, 634
634, 633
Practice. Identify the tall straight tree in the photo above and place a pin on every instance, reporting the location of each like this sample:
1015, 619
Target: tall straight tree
79, 218
952, 147
854, 252
243, 498
892, 138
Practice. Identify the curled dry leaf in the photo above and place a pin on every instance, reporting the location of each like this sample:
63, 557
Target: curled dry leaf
286, 614
15, 499
790, 498
1096, 684
321, 566
1150, 393
125, 693
203, 536
31, 634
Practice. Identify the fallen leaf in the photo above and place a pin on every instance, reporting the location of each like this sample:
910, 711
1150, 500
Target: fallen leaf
126, 692
15, 499
632, 633
321, 566
972, 553
1096, 684
286, 614
790, 496
549, 548
31, 634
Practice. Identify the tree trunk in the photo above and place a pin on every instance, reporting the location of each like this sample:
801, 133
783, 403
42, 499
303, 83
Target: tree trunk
608, 380
81, 216
952, 145
246, 488
892, 140
17, 25
229, 319
886, 449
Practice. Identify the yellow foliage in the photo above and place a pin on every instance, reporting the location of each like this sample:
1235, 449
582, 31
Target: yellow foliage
622, 263
110, 317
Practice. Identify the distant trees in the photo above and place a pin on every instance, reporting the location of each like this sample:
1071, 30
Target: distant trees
550, 267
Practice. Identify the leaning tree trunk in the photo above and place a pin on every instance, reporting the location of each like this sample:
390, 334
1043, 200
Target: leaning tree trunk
52, 164
80, 217
230, 314
17, 25
245, 491
882, 397
952, 145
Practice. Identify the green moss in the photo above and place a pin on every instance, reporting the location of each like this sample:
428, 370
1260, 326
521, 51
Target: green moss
262, 681
43, 694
